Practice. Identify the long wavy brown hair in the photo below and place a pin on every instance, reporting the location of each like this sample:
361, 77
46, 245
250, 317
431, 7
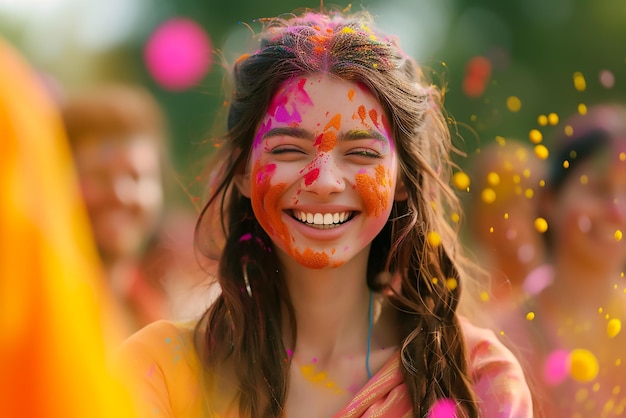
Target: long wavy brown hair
246, 332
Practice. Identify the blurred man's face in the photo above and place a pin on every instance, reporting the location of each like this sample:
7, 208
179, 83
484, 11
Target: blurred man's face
122, 189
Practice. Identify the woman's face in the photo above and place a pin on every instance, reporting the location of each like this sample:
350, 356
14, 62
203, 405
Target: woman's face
590, 208
322, 170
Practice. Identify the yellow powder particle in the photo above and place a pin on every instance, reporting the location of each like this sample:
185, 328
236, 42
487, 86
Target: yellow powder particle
434, 239
541, 225
493, 178
513, 103
553, 118
488, 195
461, 180
579, 81
613, 327
535, 136
530, 316
584, 365
541, 151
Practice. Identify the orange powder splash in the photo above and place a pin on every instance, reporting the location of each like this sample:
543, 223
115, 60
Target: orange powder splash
351, 94
326, 141
311, 259
335, 122
264, 198
362, 113
374, 191
374, 117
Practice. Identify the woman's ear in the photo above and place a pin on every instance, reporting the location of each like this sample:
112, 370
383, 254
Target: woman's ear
401, 194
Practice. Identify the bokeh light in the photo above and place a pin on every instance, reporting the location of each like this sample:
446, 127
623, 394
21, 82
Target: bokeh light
178, 54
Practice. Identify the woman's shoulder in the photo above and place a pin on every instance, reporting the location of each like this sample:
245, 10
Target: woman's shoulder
484, 346
160, 368
162, 331
499, 380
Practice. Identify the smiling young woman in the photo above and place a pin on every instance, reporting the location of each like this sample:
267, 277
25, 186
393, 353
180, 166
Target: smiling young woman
332, 173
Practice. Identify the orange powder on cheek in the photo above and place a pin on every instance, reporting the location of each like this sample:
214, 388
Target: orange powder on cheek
264, 198
312, 259
374, 191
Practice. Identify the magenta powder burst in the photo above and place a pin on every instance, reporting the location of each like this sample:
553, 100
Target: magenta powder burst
178, 54
443, 408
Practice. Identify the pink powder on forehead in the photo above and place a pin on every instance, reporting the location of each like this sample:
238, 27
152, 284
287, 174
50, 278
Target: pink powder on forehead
263, 129
282, 115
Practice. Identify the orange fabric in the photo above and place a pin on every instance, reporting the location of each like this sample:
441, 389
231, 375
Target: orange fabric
52, 342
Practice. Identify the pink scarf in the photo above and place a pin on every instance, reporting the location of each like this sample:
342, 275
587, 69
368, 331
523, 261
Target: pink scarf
383, 396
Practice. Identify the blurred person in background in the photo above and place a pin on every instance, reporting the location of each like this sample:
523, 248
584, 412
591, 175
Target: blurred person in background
571, 331
501, 212
119, 139
57, 320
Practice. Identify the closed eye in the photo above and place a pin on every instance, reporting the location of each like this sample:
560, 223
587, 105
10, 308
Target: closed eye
286, 150
365, 153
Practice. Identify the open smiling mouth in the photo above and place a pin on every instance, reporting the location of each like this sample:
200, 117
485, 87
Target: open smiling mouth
322, 220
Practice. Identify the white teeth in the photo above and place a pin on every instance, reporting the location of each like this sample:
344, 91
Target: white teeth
322, 218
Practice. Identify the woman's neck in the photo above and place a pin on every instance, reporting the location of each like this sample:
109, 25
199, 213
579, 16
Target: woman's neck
331, 308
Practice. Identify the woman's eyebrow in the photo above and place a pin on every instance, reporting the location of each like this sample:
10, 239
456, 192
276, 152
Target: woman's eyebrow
289, 131
363, 134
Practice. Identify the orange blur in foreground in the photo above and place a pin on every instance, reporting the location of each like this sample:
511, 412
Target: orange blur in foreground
53, 342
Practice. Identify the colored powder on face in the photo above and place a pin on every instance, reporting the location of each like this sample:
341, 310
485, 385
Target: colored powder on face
386, 127
350, 94
374, 191
264, 198
263, 129
335, 122
374, 117
362, 113
327, 141
311, 176
312, 259
282, 115
279, 100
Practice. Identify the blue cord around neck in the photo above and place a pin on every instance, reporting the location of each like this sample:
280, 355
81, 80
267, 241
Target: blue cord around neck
370, 326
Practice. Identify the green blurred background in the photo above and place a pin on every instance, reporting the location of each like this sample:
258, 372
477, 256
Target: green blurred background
533, 47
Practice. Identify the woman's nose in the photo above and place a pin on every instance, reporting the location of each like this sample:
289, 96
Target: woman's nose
323, 176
